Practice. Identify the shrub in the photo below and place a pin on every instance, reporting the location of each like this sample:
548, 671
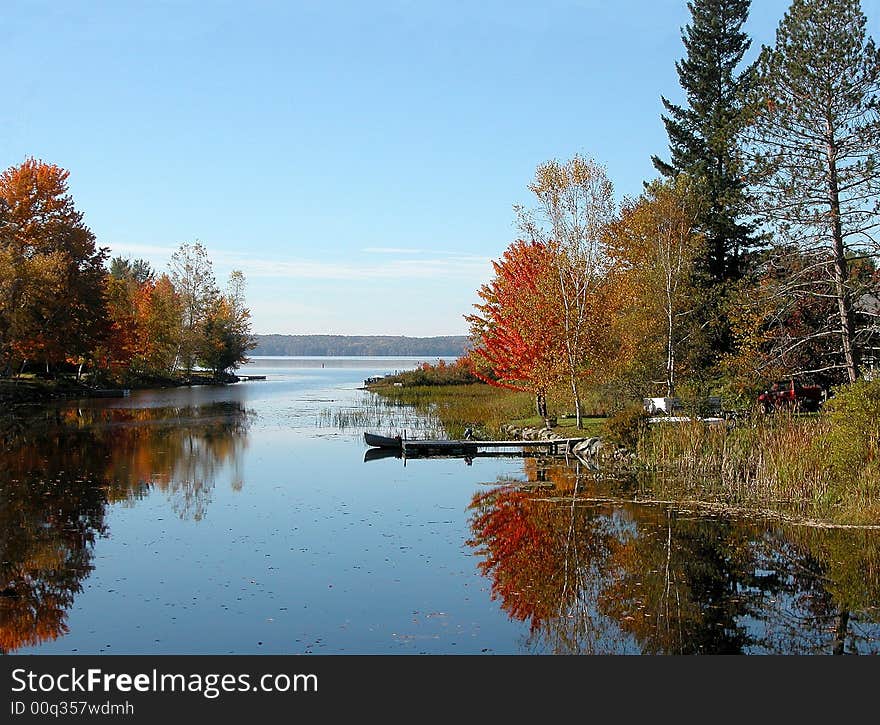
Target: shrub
627, 425
457, 373
854, 426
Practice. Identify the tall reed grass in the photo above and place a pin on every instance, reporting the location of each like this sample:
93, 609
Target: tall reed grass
457, 407
377, 415
784, 460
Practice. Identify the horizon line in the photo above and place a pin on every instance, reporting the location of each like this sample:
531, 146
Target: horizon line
343, 334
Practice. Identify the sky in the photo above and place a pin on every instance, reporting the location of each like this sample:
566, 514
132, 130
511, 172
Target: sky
358, 161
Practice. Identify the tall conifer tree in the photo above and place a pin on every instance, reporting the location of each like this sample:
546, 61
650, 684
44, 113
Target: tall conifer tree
704, 134
815, 140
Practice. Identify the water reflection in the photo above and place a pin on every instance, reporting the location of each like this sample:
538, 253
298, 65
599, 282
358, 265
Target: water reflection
49, 527
589, 577
327, 554
177, 450
61, 468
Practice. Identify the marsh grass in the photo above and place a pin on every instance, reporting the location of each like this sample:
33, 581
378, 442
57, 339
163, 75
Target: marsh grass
378, 415
457, 407
783, 460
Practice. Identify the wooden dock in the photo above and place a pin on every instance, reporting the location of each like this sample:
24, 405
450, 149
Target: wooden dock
552, 446
377, 454
421, 448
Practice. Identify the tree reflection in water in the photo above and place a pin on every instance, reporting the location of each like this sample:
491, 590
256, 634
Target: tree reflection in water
590, 577
58, 472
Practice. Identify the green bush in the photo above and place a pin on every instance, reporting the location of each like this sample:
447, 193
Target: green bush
627, 425
854, 426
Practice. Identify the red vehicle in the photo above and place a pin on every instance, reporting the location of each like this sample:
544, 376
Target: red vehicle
792, 394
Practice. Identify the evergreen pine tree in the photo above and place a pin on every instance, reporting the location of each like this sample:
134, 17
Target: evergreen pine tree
815, 138
704, 134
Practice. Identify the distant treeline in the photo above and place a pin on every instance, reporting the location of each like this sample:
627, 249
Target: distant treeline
336, 345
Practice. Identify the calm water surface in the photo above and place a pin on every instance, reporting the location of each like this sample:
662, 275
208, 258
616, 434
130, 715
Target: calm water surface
244, 519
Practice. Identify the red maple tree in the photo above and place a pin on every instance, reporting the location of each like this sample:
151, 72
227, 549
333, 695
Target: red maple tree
516, 329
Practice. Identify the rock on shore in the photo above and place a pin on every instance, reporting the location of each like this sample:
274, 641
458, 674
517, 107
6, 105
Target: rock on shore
588, 448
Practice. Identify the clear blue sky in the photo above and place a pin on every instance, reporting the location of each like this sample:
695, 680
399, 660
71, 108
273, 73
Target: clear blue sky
357, 160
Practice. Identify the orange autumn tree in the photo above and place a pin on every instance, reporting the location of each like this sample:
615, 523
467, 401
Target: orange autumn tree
121, 343
51, 271
159, 321
518, 343
124, 284
145, 321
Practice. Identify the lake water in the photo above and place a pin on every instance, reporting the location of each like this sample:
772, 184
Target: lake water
244, 519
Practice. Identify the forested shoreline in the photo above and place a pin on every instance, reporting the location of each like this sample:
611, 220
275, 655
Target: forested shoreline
70, 314
750, 258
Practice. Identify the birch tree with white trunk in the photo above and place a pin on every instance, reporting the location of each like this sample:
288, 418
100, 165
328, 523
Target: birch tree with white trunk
575, 204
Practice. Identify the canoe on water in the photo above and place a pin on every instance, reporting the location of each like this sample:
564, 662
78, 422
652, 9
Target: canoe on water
378, 441
377, 454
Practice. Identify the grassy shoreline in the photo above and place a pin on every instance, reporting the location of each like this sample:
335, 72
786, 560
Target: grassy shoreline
479, 406
815, 466
25, 390
821, 467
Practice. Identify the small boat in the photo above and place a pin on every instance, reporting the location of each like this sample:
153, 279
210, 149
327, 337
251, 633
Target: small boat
378, 441
376, 454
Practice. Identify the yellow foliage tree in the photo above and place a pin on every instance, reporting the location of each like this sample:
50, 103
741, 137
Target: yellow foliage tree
653, 244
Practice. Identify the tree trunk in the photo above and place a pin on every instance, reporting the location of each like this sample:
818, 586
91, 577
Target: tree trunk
578, 416
570, 299
841, 293
541, 405
670, 345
